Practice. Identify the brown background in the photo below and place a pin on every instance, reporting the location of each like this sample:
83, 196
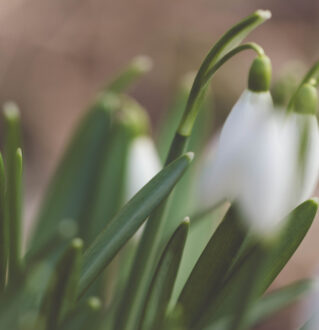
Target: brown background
55, 54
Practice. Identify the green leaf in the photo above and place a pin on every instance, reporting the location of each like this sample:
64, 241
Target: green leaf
164, 279
276, 255
13, 162
201, 231
83, 317
279, 299
129, 121
4, 229
62, 291
138, 66
72, 184
271, 304
128, 220
210, 269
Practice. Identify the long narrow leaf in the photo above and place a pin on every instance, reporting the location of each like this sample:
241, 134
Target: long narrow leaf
4, 230
278, 254
13, 163
271, 304
62, 291
163, 281
85, 316
128, 220
209, 272
72, 183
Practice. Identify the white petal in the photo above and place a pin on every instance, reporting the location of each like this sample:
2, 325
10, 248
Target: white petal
265, 179
143, 164
221, 177
306, 177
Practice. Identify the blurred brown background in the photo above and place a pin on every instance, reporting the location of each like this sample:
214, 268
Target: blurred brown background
55, 54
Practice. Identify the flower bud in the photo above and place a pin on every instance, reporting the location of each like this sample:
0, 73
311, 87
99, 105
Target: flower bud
306, 100
260, 74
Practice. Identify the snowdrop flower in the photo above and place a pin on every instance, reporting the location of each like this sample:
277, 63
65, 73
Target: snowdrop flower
302, 126
143, 164
250, 166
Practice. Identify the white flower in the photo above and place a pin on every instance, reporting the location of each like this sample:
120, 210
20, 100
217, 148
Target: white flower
143, 164
249, 165
266, 161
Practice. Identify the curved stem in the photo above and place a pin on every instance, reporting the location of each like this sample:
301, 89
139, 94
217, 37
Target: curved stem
197, 93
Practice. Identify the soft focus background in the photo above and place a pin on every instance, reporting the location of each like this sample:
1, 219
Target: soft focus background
56, 54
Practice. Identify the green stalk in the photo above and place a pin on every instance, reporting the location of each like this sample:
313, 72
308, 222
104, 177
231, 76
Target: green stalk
4, 230
148, 250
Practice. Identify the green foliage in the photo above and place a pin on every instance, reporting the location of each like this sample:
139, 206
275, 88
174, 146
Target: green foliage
87, 267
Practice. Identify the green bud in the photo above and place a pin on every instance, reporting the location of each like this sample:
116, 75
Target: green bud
306, 100
260, 74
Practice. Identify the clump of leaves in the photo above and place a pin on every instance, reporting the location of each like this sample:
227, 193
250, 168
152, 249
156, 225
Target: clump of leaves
85, 266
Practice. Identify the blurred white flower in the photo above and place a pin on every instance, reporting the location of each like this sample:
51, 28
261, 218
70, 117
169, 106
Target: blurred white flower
266, 160
250, 162
143, 164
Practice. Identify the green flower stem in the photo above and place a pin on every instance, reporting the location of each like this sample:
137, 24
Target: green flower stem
230, 40
136, 68
4, 230
148, 250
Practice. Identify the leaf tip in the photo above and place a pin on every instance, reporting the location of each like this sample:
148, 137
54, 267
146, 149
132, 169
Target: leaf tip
190, 156
142, 63
263, 14
94, 303
77, 243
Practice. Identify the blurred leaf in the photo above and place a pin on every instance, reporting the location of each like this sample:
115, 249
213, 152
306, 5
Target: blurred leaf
108, 196
62, 291
200, 233
278, 253
271, 304
210, 269
13, 162
83, 317
76, 174
4, 229
128, 220
138, 66
164, 279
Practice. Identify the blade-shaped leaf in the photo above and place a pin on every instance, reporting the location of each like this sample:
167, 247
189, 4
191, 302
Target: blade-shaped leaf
278, 254
4, 230
209, 271
62, 291
13, 162
128, 220
84, 316
164, 279
271, 303
72, 183
138, 66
